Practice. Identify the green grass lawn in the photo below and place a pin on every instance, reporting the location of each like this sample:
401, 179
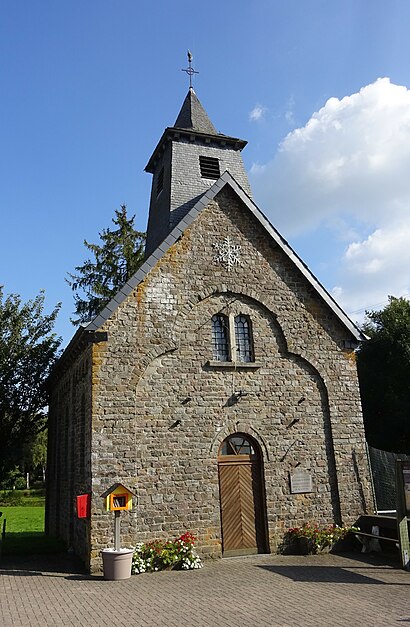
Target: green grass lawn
25, 532
23, 519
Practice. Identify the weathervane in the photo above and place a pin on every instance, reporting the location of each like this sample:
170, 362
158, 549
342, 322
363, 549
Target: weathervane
190, 70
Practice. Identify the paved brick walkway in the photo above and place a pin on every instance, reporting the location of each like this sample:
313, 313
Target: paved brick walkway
285, 591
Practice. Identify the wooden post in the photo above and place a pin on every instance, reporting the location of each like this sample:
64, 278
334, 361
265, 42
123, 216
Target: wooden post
403, 488
117, 531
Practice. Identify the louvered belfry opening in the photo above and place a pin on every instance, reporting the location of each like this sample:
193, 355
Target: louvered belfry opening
242, 496
209, 167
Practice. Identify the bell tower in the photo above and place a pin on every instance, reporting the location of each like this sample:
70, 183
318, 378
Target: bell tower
188, 159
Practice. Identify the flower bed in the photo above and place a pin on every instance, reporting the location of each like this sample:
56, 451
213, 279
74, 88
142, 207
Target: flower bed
311, 538
157, 555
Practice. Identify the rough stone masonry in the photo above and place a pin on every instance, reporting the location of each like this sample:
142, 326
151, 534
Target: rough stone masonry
142, 400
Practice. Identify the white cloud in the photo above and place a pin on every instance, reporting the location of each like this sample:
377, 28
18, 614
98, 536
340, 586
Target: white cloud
257, 112
375, 268
347, 171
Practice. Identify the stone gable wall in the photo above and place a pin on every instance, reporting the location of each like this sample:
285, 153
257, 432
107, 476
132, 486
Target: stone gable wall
160, 413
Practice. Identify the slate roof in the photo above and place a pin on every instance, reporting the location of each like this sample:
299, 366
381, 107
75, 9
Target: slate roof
193, 116
225, 179
192, 120
114, 487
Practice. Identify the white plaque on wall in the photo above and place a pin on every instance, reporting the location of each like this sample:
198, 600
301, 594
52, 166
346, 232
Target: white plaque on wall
300, 482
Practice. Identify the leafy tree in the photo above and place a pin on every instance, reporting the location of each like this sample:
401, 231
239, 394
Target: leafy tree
38, 450
35, 454
117, 258
28, 349
384, 374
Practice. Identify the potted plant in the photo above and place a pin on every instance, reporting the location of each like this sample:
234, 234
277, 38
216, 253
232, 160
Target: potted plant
157, 555
311, 538
117, 562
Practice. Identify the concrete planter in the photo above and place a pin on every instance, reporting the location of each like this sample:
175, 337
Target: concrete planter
117, 564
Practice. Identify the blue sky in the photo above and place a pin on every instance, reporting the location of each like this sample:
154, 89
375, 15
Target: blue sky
88, 87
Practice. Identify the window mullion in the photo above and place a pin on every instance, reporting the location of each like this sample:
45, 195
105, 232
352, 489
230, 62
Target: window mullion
232, 339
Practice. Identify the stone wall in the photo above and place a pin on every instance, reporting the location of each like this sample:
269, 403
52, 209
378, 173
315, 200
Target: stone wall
160, 411
69, 452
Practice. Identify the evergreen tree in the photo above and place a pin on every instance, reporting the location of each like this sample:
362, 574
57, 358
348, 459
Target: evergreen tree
384, 375
116, 259
28, 349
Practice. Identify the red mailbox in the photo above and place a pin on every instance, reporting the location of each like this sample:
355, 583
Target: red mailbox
84, 505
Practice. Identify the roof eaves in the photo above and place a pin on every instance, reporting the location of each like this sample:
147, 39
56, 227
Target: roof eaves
170, 132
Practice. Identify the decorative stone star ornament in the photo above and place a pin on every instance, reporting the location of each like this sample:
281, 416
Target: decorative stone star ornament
227, 254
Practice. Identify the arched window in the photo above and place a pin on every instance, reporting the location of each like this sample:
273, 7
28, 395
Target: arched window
243, 339
237, 444
220, 338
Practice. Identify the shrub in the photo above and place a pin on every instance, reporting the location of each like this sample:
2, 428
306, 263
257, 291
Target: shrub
317, 538
20, 483
13, 480
178, 554
11, 498
29, 498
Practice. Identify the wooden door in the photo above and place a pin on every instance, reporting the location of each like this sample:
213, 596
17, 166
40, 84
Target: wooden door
241, 494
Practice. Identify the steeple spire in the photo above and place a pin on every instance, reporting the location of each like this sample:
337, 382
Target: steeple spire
188, 159
193, 116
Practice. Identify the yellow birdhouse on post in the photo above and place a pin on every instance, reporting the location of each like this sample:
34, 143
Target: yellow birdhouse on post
118, 498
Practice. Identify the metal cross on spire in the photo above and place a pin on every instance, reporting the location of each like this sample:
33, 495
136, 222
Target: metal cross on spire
190, 70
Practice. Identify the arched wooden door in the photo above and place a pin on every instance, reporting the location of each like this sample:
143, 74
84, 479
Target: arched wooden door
242, 496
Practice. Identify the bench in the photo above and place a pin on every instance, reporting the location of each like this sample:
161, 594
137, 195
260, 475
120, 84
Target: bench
369, 540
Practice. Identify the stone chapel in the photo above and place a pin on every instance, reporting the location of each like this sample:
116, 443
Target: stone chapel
219, 384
